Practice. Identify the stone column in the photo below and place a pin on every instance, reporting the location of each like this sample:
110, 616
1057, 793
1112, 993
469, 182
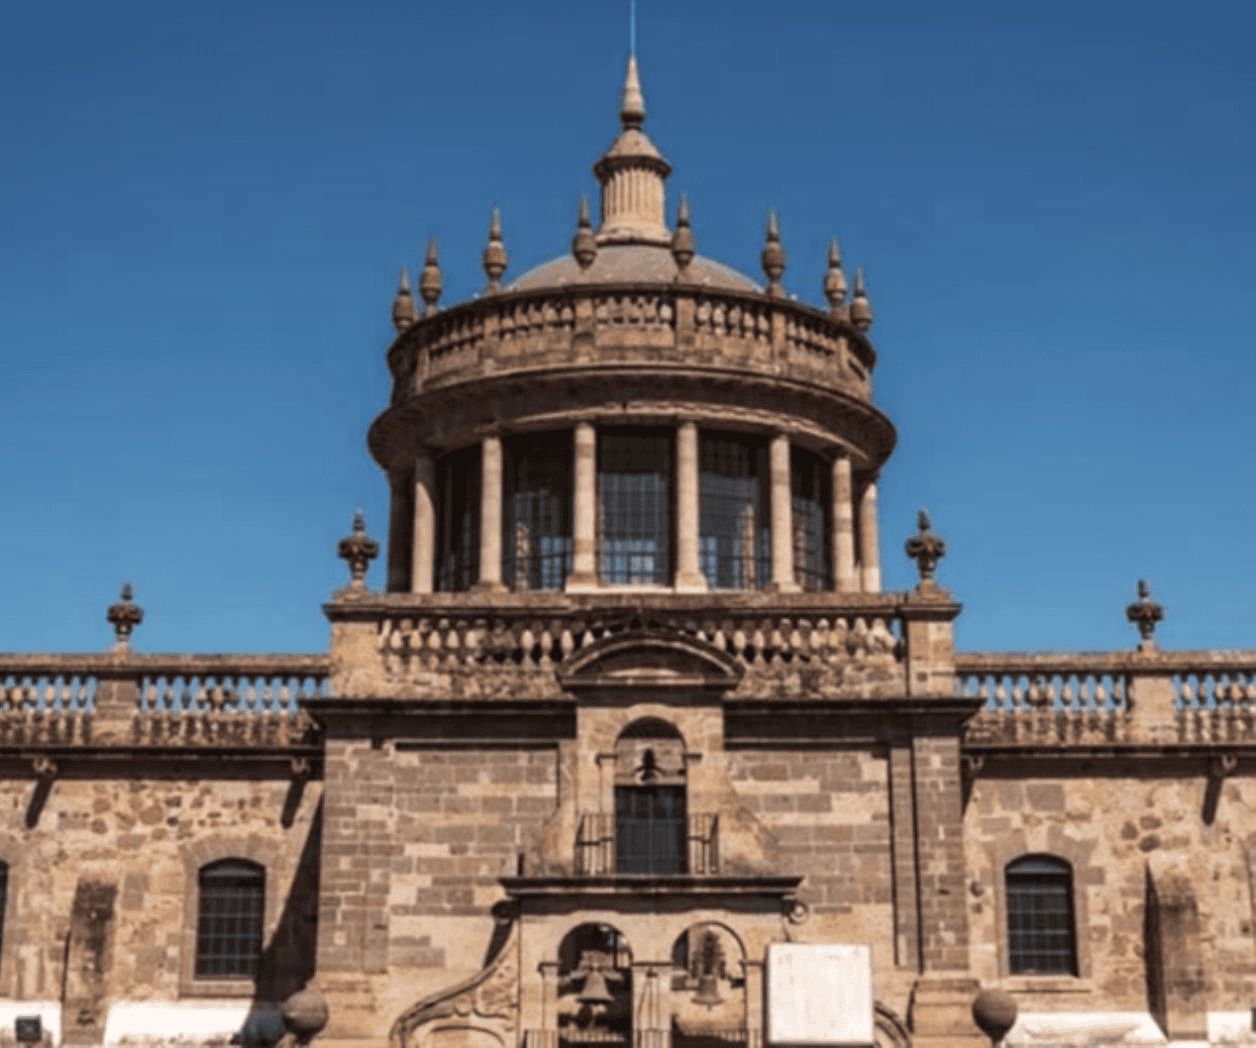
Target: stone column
869, 556
490, 514
689, 577
584, 516
424, 557
845, 577
782, 518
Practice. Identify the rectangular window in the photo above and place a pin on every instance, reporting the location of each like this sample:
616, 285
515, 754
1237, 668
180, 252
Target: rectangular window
634, 503
650, 829
458, 520
229, 919
734, 535
536, 517
809, 488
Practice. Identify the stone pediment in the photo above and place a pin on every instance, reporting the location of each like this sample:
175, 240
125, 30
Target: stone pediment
650, 659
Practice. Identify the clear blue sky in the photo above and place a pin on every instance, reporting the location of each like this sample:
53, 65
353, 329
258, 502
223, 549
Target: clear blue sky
203, 208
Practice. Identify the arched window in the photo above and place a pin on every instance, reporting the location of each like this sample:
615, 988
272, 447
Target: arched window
809, 485
734, 544
230, 910
1041, 930
634, 506
536, 512
458, 520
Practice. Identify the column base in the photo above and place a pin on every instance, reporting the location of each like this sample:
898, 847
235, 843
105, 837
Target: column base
691, 583
784, 587
488, 587
941, 1012
581, 582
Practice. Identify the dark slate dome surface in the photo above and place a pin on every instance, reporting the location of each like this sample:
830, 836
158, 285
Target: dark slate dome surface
632, 263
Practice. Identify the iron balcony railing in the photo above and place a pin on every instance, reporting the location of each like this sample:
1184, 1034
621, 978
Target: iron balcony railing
598, 850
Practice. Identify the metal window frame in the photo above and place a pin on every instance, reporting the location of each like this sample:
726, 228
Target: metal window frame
813, 569
734, 548
636, 521
537, 535
233, 951
1050, 948
458, 484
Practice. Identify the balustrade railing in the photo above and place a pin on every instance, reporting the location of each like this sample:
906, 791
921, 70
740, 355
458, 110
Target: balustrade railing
595, 845
177, 700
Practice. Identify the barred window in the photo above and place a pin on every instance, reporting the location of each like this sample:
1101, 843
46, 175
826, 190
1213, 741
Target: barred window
229, 919
1041, 931
734, 537
536, 514
458, 520
634, 504
809, 485
4, 898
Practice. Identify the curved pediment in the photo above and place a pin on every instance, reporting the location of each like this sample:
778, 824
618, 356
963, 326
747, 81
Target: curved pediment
650, 659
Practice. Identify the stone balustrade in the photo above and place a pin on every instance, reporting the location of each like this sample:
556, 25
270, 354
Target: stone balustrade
1101, 698
66, 700
630, 323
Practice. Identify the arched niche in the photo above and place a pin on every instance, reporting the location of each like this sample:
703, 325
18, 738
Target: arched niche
708, 987
594, 986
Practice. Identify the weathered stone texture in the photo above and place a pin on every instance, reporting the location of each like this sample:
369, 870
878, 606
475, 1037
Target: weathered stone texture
1112, 829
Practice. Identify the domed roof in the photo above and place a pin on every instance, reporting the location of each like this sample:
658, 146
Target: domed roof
629, 264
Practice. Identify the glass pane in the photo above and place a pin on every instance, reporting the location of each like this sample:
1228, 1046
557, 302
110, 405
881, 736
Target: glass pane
634, 489
734, 540
1040, 926
809, 483
650, 829
229, 922
536, 512
458, 520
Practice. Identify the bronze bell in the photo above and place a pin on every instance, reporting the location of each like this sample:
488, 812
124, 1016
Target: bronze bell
595, 991
708, 990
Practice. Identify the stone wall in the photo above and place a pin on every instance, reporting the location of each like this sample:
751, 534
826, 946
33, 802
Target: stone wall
1126, 827
112, 864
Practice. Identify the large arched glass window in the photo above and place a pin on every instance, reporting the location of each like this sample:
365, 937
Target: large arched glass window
809, 485
1041, 931
230, 910
536, 512
734, 538
634, 506
458, 520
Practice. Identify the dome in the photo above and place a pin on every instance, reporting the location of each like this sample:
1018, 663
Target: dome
633, 263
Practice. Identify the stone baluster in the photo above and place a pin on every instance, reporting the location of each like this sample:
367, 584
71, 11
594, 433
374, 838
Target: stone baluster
845, 573
782, 518
490, 514
583, 567
689, 577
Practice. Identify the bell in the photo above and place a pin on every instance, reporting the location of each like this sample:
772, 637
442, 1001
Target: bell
708, 990
595, 991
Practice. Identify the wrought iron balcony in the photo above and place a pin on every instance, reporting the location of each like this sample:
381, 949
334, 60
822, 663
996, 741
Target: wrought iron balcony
605, 845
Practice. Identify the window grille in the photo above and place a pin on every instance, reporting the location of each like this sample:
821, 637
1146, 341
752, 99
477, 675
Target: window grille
734, 538
458, 520
809, 484
229, 919
650, 829
4, 897
536, 512
1041, 932
634, 499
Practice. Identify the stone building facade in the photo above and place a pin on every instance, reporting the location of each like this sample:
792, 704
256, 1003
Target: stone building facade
631, 720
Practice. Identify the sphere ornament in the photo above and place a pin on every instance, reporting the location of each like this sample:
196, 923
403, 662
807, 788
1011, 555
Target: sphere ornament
994, 1012
304, 1014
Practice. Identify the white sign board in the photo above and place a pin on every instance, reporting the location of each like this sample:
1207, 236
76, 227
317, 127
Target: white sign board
819, 994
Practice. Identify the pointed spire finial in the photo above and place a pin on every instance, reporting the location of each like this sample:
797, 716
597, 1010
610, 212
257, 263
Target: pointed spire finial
861, 308
495, 260
404, 312
431, 283
631, 100
772, 257
682, 239
835, 279
584, 244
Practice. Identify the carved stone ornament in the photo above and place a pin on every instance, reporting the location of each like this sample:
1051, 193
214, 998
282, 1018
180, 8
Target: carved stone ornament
124, 616
1145, 613
358, 550
925, 548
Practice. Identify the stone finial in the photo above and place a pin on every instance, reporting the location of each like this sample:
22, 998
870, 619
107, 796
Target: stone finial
404, 311
431, 283
358, 550
861, 308
682, 238
124, 616
495, 259
584, 244
1145, 613
631, 100
925, 548
994, 1012
835, 280
772, 257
